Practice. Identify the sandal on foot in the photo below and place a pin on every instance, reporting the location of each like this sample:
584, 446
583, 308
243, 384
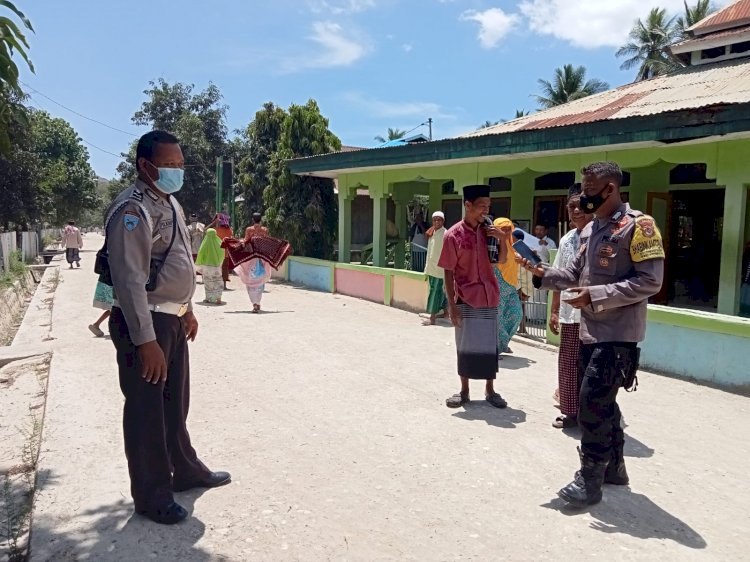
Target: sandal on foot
96, 331
496, 400
457, 400
565, 421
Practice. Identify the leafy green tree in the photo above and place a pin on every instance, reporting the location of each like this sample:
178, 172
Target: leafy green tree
12, 40
199, 121
393, 134
261, 141
692, 15
488, 124
569, 84
302, 210
648, 48
20, 199
67, 183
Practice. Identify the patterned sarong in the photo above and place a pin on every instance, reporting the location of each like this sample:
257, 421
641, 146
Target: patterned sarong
568, 371
476, 342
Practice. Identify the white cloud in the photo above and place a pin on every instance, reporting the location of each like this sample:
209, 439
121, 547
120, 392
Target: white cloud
407, 47
336, 48
591, 23
396, 109
494, 25
339, 7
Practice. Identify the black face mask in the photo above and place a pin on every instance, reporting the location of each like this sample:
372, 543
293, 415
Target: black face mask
591, 204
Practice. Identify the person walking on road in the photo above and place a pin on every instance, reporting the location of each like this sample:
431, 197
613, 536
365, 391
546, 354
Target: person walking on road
221, 224
197, 231
152, 320
102, 300
619, 266
473, 294
437, 300
210, 258
566, 320
256, 272
72, 241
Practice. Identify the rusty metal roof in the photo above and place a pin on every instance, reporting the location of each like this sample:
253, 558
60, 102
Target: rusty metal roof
732, 16
690, 88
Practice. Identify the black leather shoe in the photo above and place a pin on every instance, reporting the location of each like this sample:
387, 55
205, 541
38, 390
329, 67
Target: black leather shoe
586, 487
168, 515
212, 480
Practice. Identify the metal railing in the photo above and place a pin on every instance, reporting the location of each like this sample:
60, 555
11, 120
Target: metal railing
534, 302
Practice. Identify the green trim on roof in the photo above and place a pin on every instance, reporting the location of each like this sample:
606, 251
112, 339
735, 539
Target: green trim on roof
664, 127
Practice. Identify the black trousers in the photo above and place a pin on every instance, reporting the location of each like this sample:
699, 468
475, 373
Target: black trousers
599, 415
157, 444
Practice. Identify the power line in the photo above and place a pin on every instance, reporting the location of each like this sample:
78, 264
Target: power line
77, 113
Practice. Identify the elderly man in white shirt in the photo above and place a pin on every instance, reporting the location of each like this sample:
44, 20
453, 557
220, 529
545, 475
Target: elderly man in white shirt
437, 300
566, 320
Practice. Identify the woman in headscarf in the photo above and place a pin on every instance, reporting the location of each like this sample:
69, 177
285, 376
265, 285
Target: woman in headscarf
210, 259
256, 272
509, 312
223, 230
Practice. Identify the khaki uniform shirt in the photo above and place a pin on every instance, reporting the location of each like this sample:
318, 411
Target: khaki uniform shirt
139, 227
434, 249
621, 261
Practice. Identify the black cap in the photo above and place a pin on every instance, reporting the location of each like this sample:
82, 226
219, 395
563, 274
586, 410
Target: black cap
472, 192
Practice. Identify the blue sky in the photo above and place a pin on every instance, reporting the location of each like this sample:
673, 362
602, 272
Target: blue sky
370, 64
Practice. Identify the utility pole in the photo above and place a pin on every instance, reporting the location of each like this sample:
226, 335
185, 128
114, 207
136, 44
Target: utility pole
219, 182
429, 124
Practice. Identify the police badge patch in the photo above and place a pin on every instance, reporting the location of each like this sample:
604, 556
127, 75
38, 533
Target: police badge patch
131, 221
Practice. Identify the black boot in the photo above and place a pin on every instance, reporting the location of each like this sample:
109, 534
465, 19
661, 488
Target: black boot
616, 472
586, 488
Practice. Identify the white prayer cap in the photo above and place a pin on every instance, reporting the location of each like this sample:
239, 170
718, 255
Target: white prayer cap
438, 214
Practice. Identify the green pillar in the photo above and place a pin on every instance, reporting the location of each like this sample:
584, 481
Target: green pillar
345, 226
735, 207
400, 256
732, 173
379, 210
522, 197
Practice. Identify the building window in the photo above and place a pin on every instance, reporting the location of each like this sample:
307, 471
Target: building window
737, 48
683, 174
500, 184
716, 52
555, 180
449, 188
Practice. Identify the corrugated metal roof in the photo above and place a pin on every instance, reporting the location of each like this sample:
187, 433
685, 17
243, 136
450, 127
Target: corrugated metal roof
731, 16
690, 88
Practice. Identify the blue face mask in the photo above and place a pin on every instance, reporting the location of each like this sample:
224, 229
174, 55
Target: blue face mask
170, 179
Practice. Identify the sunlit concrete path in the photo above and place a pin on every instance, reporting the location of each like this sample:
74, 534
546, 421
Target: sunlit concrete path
329, 412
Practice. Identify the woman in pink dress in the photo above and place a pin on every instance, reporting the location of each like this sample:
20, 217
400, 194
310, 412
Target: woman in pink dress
256, 272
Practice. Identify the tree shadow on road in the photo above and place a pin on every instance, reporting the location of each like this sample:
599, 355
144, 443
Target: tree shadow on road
625, 512
114, 532
507, 418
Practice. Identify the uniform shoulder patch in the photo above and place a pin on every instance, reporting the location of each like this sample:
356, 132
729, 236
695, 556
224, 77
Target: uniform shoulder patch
646, 243
131, 220
137, 195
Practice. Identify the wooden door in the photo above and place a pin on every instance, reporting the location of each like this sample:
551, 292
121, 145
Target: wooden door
659, 206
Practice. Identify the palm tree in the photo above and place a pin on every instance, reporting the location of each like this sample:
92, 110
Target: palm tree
700, 11
648, 48
569, 84
488, 124
393, 134
12, 40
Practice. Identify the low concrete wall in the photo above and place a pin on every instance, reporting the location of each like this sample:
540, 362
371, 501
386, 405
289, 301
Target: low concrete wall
316, 274
410, 292
12, 301
281, 273
701, 345
368, 285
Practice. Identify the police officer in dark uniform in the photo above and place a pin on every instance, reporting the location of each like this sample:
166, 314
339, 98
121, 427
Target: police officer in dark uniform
153, 278
619, 266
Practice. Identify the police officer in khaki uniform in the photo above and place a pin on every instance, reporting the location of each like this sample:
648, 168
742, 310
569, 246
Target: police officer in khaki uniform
619, 266
153, 277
